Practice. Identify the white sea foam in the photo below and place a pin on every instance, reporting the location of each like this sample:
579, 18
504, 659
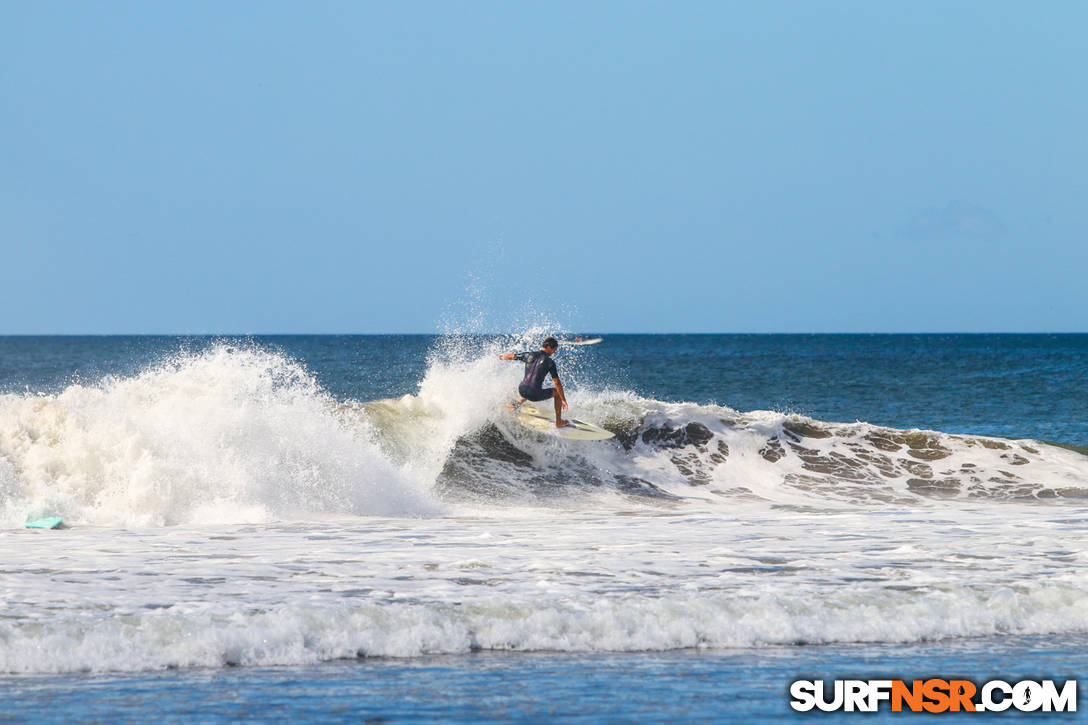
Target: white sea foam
241, 434
454, 433
228, 435
698, 526
300, 634
294, 594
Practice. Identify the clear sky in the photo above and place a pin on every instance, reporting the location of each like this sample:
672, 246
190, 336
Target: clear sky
262, 167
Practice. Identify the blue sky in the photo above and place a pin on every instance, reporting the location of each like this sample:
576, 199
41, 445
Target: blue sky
261, 167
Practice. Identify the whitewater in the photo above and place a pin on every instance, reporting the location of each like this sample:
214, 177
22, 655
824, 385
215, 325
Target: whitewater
228, 506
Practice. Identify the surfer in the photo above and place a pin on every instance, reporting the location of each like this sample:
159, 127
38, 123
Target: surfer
537, 365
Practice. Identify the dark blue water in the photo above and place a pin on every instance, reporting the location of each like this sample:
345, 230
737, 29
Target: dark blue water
1031, 386
728, 686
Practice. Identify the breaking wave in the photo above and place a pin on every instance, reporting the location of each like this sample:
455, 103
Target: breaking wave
211, 636
231, 434
238, 434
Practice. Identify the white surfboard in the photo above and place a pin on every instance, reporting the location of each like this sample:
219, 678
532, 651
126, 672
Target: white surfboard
590, 341
578, 430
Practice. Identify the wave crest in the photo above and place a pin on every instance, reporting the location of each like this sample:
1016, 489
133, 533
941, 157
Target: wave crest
228, 435
240, 434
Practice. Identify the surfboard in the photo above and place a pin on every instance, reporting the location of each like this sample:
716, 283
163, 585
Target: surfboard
50, 522
578, 430
590, 341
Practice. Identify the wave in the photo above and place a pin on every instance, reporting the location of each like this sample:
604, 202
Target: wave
228, 435
241, 434
680, 451
216, 635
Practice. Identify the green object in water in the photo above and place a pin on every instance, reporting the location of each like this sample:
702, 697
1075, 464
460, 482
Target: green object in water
48, 523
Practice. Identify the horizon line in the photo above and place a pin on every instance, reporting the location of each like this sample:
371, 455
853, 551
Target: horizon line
499, 334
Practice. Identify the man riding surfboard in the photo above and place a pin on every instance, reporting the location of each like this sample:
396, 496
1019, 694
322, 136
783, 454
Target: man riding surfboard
538, 364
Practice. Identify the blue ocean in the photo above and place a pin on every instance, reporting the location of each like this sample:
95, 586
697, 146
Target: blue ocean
345, 528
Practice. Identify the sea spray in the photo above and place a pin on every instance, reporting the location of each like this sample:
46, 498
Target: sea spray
226, 435
456, 434
240, 433
477, 451
698, 526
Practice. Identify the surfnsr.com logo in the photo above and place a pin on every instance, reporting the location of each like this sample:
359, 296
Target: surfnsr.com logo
934, 695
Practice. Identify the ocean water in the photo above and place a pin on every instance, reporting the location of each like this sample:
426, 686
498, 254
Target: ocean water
335, 527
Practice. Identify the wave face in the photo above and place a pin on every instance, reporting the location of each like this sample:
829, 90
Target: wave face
237, 434
475, 451
683, 450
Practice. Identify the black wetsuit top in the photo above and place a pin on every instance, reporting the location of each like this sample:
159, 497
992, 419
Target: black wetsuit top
537, 365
